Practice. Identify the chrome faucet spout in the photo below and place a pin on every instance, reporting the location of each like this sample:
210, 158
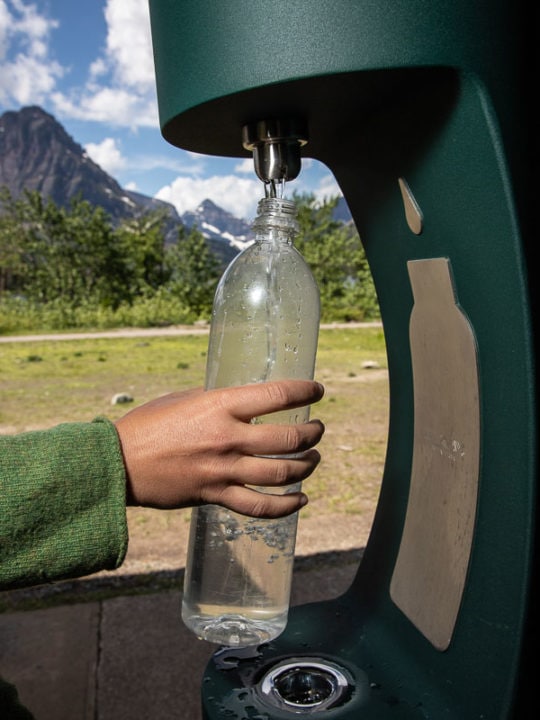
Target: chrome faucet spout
276, 147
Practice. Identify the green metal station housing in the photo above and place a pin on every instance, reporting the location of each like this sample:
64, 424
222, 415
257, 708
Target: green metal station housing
419, 109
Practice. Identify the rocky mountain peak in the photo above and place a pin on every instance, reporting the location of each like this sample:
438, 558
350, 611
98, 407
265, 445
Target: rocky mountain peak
36, 153
215, 222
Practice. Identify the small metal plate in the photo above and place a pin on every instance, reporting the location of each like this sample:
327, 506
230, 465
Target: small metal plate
413, 214
433, 558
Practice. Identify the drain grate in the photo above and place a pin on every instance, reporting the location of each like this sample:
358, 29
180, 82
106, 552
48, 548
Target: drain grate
306, 685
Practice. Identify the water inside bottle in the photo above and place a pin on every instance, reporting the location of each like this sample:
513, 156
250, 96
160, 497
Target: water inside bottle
264, 327
240, 555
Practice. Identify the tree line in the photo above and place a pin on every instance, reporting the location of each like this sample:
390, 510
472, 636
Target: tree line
72, 267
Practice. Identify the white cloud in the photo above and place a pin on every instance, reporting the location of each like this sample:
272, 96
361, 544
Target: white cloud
309, 180
98, 68
27, 70
240, 195
5, 19
107, 155
120, 90
245, 167
121, 87
179, 163
237, 195
327, 188
27, 81
108, 105
129, 43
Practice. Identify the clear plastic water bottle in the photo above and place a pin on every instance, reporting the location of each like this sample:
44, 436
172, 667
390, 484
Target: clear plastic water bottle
265, 326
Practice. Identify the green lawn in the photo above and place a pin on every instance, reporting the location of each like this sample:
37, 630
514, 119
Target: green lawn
47, 382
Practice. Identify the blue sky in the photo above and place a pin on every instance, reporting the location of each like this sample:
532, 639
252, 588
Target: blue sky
90, 65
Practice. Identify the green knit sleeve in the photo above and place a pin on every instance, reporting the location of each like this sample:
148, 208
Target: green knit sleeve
62, 503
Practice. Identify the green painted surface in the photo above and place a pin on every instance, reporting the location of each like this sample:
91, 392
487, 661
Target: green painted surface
429, 91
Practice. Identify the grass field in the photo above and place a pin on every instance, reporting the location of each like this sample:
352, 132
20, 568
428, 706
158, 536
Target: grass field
47, 382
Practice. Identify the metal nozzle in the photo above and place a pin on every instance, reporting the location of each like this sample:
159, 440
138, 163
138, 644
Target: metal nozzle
276, 148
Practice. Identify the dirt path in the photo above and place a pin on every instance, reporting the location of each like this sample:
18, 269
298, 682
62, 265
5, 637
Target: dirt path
197, 329
122, 332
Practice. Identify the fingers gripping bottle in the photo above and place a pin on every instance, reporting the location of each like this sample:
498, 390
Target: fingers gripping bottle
265, 326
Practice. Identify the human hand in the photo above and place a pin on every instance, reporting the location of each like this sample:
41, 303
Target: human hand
194, 447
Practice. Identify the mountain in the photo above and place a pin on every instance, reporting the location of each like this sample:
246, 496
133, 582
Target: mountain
218, 224
36, 153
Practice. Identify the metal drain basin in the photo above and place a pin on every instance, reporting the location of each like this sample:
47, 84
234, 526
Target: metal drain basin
304, 685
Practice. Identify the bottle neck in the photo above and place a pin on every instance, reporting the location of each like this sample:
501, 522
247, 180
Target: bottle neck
276, 221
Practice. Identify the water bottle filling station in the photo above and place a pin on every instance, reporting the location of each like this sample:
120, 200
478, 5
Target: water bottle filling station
419, 110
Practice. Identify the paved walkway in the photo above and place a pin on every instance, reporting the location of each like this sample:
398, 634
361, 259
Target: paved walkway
125, 657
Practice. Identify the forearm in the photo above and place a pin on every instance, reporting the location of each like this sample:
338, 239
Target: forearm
62, 503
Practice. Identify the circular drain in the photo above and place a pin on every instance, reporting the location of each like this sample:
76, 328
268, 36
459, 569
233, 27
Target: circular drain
304, 685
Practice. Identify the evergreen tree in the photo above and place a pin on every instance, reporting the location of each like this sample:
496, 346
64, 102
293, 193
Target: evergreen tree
338, 261
141, 243
11, 253
64, 256
194, 271
68, 259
